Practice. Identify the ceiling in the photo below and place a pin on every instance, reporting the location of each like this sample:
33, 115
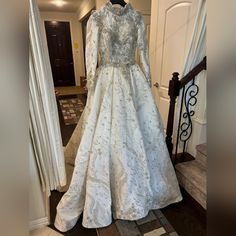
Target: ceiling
59, 5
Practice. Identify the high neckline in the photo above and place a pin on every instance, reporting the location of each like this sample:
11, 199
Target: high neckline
119, 10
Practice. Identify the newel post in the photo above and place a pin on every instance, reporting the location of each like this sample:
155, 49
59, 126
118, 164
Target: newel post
173, 92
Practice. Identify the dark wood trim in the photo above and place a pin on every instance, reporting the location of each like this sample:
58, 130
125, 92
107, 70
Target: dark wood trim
193, 73
173, 93
182, 157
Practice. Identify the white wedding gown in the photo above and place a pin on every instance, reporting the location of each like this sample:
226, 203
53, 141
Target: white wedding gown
122, 167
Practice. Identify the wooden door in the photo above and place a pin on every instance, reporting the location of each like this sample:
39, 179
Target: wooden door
172, 28
60, 52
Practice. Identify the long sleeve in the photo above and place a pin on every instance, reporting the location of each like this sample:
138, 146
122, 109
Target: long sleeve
142, 45
91, 50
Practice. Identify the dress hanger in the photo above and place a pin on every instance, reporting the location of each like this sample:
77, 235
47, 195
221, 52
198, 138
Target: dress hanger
120, 2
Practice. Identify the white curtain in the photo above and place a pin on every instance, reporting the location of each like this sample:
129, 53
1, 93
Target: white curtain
196, 53
45, 136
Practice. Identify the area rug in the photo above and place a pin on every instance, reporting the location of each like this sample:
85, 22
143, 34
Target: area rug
154, 224
71, 109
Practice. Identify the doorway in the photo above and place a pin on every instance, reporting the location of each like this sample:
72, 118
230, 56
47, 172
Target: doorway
60, 52
84, 22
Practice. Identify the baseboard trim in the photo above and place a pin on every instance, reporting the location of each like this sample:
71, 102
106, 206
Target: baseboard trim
36, 224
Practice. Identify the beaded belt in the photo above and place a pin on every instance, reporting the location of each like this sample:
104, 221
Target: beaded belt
118, 64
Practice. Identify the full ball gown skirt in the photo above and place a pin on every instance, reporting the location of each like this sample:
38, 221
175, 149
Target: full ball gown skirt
122, 166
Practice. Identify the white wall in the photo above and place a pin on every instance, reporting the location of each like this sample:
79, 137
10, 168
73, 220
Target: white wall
99, 3
143, 6
76, 37
85, 7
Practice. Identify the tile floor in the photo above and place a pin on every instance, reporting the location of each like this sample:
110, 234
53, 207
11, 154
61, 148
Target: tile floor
70, 90
154, 224
45, 231
72, 109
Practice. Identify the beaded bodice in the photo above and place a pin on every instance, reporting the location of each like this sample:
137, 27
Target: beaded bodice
114, 33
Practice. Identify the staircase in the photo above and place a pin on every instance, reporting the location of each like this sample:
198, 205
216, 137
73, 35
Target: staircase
192, 175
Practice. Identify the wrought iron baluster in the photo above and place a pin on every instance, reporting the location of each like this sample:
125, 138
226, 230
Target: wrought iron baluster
185, 128
188, 100
179, 123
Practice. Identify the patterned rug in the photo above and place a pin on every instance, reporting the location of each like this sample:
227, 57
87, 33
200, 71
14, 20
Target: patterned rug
72, 109
155, 224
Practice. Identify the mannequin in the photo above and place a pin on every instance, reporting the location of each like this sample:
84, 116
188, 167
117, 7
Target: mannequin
120, 2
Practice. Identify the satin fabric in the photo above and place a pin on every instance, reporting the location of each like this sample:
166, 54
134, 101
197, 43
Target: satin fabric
122, 166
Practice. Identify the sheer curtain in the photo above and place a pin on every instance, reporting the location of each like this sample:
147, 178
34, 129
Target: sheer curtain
196, 53
45, 136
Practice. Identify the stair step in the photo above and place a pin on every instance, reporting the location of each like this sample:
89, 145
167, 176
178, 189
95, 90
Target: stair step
192, 177
201, 156
202, 148
195, 172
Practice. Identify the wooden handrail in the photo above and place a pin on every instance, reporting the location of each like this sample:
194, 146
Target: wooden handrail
193, 73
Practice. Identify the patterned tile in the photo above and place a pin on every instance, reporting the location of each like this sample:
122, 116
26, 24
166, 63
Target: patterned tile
127, 228
110, 230
71, 110
156, 232
159, 214
174, 234
150, 226
148, 218
168, 227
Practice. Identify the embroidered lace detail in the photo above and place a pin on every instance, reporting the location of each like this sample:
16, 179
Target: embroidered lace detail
90, 81
117, 64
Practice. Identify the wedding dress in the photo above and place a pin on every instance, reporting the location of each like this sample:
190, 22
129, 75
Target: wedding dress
122, 167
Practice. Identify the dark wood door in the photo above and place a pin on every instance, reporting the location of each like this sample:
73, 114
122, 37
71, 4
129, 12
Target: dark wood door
60, 52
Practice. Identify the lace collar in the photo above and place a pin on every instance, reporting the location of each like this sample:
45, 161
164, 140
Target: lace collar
119, 10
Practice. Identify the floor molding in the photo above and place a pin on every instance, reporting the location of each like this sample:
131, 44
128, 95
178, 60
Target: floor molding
36, 224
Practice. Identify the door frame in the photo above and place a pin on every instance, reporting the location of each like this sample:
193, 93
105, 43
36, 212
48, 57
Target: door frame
152, 43
81, 21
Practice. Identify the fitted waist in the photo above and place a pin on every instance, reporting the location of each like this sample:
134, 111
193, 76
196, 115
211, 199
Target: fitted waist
118, 64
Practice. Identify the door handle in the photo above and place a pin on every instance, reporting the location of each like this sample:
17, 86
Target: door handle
156, 85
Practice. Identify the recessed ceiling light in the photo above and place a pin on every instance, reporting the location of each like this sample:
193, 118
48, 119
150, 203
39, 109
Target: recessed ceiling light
59, 3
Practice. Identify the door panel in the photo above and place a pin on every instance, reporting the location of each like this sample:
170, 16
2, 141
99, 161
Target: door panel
175, 21
60, 52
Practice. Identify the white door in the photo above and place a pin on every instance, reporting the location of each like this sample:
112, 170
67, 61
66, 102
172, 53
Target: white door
172, 24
